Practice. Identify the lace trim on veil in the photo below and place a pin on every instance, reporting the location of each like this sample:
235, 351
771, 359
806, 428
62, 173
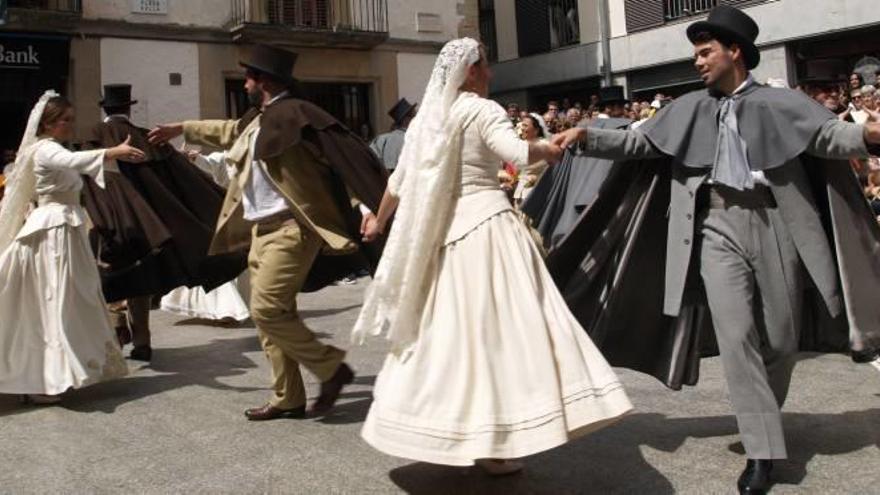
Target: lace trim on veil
22, 182
426, 181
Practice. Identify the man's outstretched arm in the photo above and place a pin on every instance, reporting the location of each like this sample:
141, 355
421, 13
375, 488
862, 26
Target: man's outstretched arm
611, 144
839, 140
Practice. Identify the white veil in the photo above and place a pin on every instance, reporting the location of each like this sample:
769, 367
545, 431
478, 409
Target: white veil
426, 181
22, 182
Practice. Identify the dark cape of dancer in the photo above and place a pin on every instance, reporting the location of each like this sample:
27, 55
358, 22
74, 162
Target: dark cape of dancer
565, 190
153, 223
750, 206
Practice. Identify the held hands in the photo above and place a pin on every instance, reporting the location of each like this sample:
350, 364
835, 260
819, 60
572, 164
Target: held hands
126, 152
554, 153
568, 137
371, 229
163, 133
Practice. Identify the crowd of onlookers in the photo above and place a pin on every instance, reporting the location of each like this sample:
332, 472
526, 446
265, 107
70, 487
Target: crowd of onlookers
856, 99
559, 115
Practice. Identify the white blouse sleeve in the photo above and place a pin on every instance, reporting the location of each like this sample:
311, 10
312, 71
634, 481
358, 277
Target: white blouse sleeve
497, 132
214, 164
53, 156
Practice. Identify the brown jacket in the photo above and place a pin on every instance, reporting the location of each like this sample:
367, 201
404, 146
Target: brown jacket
300, 174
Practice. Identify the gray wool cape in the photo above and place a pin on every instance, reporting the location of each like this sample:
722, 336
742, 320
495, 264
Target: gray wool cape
610, 266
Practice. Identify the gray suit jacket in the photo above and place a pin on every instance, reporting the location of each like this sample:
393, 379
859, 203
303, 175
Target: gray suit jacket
790, 188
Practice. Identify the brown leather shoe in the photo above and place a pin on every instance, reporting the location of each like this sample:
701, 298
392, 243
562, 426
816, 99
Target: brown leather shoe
269, 411
331, 389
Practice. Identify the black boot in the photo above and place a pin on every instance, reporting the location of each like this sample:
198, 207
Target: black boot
755, 479
865, 356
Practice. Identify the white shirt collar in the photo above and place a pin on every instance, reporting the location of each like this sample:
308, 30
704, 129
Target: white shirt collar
745, 84
276, 98
116, 116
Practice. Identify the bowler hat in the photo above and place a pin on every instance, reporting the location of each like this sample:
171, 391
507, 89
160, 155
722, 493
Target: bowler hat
824, 71
731, 25
117, 95
269, 60
400, 110
612, 94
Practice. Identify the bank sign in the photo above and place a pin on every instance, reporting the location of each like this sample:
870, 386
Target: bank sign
27, 53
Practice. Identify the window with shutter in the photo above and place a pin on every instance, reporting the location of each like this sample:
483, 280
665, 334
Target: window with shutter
532, 27
643, 14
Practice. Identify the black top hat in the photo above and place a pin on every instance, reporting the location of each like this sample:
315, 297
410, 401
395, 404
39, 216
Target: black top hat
273, 61
117, 95
612, 94
734, 26
401, 110
824, 71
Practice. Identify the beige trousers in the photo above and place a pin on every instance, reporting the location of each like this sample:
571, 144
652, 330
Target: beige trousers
279, 262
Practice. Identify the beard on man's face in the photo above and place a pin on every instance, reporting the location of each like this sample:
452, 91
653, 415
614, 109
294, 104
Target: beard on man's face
255, 97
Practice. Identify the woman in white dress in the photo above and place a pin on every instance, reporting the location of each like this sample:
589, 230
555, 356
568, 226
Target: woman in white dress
487, 364
532, 129
60, 336
225, 304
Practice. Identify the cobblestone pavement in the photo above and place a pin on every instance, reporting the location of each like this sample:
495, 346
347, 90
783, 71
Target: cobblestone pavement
177, 426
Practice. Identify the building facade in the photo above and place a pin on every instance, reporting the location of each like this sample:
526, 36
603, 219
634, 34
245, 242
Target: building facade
552, 49
356, 57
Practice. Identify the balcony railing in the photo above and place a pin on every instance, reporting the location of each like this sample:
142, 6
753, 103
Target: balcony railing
369, 16
74, 6
676, 9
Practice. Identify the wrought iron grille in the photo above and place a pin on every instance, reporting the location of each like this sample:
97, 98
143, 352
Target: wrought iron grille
322, 15
676, 9
564, 23
56, 5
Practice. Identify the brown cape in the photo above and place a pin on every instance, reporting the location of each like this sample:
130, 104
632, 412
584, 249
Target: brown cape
291, 121
154, 221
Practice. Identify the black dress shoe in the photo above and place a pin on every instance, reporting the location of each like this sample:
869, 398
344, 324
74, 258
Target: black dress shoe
331, 389
142, 353
755, 479
269, 411
862, 357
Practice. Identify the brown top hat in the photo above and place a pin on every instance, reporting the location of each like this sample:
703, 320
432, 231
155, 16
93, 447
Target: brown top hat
270, 60
731, 25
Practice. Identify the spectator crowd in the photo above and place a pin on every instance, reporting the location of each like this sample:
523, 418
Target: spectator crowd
853, 99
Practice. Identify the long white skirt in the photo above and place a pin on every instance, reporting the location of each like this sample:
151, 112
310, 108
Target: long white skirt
226, 301
55, 331
501, 368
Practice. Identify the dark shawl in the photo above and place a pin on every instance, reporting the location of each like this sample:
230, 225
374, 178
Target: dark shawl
563, 192
610, 266
359, 173
154, 221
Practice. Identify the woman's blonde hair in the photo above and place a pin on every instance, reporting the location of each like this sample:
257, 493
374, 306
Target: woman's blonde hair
56, 107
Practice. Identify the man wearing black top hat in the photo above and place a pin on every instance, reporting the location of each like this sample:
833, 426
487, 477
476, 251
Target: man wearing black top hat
763, 211
151, 224
302, 187
613, 102
387, 146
